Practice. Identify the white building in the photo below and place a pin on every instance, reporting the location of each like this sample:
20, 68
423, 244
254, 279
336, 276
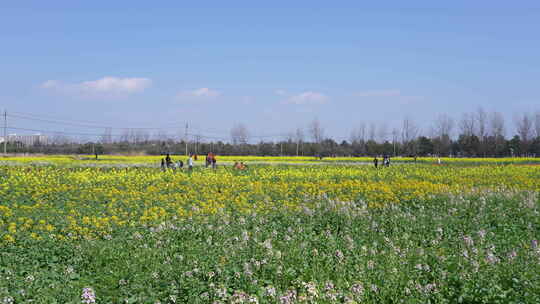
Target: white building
27, 140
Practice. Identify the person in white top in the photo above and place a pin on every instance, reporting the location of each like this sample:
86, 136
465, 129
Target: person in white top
190, 162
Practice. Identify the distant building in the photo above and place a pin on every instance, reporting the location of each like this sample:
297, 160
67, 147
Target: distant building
26, 140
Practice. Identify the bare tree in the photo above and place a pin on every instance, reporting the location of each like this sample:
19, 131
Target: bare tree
358, 134
467, 124
481, 123
124, 137
59, 139
443, 126
481, 129
496, 127
442, 134
395, 133
358, 138
140, 136
372, 132
362, 132
239, 134
496, 132
106, 137
409, 132
524, 128
299, 138
316, 131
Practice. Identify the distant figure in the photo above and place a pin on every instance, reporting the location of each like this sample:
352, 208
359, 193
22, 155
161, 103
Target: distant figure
376, 162
239, 166
209, 159
195, 157
439, 160
415, 158
190, 162
387, 161
214, 162
163, 164
168, 160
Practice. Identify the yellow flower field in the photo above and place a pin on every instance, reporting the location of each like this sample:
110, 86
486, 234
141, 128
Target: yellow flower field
90, 202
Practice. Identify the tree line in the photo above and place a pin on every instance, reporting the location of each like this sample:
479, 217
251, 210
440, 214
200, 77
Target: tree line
474, 134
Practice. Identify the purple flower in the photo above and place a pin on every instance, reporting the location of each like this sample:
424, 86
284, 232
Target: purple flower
88, 296
357, 289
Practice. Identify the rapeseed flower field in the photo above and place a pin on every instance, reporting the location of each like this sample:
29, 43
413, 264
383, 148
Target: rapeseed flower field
121, 230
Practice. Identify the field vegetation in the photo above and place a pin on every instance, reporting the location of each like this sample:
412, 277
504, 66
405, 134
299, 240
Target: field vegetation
285, 230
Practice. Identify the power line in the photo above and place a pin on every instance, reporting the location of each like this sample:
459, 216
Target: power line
61, 132
34, 117
202, 133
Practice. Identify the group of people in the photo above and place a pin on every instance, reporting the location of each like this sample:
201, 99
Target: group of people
385, 161
211, 160
168, 163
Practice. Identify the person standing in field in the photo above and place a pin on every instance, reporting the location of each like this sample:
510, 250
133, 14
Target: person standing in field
168, 160
163, 164
209, 159
214, 161
376, 162
190, 162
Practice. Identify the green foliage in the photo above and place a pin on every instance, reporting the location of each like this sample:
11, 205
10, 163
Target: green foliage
480, 249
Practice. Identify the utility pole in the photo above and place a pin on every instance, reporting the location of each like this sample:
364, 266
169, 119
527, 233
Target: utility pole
5, 133
186, 138
394, 135
197, 138
297, 145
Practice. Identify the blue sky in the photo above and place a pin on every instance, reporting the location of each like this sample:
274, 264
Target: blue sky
273, 66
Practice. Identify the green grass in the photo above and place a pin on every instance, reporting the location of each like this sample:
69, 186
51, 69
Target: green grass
444, 250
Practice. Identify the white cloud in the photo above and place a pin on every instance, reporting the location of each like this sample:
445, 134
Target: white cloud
308, 97
104, 86
199, 93
379, 93
117, 85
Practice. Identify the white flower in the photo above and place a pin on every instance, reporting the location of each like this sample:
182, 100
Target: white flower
88, 296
